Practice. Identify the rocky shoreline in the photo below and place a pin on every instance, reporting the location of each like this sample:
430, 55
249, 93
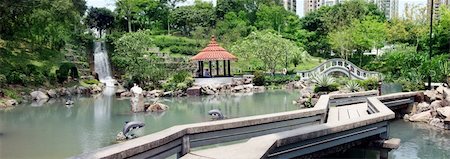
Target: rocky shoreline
41, 96
433, 108
213, 89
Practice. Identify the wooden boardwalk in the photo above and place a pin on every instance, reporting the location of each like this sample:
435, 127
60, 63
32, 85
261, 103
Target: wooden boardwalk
345, 113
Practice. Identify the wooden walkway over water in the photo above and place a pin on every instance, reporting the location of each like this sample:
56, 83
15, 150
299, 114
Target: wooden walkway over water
334, 123
348, 112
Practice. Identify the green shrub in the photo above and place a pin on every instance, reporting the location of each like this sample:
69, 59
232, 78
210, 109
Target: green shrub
329, 88
352, 86
280, 79
91, 82
3, 80
37, 79
180, 81
259, 78
369, 84
185, 50
16, 78
64, 70
322, 80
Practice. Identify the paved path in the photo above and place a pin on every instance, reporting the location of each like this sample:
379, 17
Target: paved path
349, 112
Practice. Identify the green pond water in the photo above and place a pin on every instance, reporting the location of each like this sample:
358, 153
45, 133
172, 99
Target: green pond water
52, 130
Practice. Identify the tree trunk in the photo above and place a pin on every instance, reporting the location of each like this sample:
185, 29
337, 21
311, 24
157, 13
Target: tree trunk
129, 24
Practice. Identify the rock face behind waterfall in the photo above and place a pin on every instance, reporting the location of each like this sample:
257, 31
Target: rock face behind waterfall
137, 99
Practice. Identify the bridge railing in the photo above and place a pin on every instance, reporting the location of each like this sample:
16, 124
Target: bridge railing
308, 140
180, 139
351, 98
338, 64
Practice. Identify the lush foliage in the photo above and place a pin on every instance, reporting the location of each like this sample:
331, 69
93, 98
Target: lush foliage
178, 45
260, 78
99, 18
280, 79
132, 56
352, 86
324, 83
179, 81
411, 69
266, 50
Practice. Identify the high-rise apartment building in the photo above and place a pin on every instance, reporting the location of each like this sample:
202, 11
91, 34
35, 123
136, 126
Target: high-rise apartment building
437, 4
312, 5
290, 5
389, 7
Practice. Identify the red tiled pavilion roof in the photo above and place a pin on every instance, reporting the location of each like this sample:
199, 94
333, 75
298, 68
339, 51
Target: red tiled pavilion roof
213, 52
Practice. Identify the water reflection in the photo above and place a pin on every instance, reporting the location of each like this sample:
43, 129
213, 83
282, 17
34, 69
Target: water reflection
419, 141
56, 131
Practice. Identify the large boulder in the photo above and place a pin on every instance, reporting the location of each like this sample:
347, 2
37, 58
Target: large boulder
38, 95
440, 89
438, 104
96, 89
431, 95
168, 94
120, 90
155, 93
11, 102
421, 107
157, 107
306, 92
126, 94
421, 117
52, 93
445, 112
259, 88
237, 88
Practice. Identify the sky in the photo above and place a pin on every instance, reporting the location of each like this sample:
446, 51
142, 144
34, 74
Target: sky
110, 4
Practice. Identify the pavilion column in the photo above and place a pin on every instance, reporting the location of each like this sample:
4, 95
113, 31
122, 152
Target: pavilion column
210, 68
217, 67
229, 72
224, 68
200, 65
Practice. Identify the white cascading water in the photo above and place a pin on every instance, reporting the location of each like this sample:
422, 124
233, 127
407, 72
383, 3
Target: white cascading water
102, 67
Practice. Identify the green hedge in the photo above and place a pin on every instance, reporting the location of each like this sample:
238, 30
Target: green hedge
179, 45
280, 79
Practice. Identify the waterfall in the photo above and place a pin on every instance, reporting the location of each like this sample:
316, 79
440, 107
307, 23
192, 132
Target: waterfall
102, 67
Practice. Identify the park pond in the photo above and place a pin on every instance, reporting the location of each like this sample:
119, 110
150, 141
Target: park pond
53, 130
56, 131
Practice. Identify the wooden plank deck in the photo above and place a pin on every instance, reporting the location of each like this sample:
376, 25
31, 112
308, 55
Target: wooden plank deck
348, 112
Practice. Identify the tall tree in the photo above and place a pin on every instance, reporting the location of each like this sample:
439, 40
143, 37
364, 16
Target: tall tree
99, 18
265, 50
186, 18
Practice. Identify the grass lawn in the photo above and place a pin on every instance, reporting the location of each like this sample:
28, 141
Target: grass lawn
309, 64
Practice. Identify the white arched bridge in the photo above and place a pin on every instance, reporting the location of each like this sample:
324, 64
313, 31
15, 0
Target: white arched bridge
338, 65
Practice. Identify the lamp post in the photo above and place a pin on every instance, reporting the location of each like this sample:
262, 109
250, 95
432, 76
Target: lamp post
431, 39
